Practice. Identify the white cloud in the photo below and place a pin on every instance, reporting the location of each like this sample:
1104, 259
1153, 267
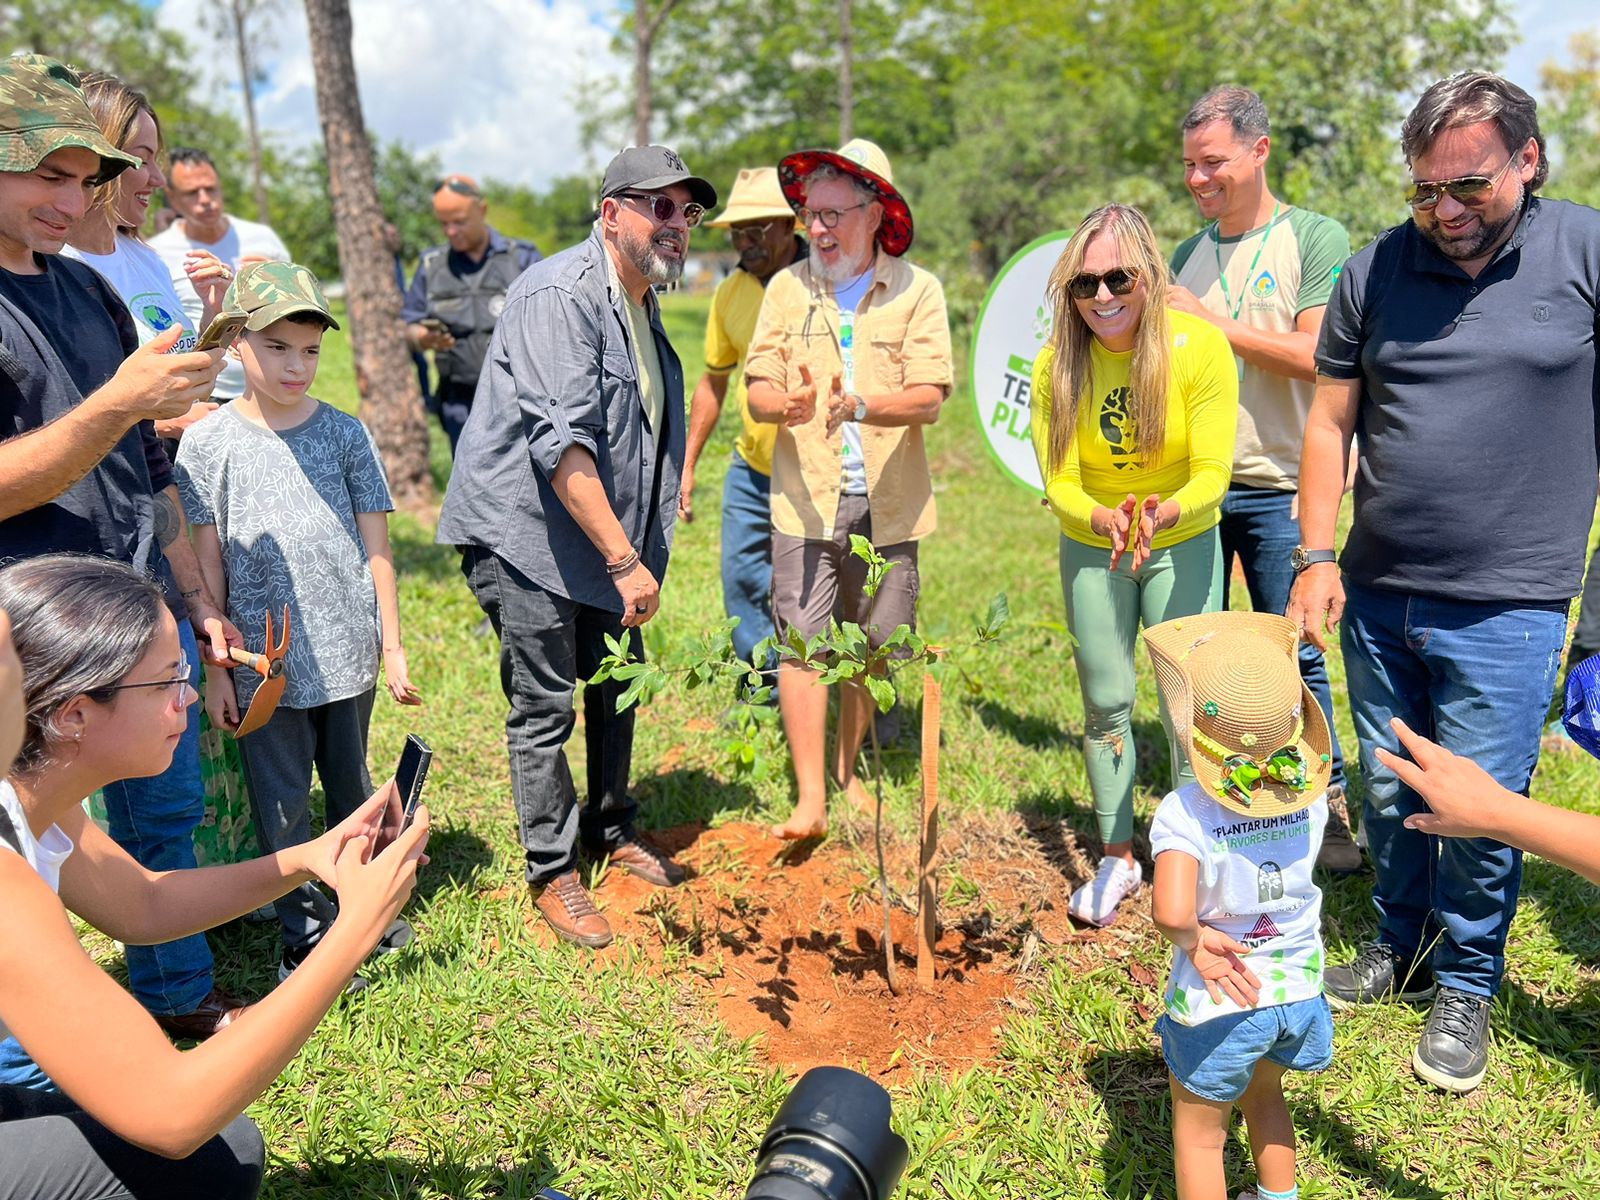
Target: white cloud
1546, 26
488, 85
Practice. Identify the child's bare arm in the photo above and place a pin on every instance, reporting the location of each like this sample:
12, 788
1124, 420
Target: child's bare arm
1217, 957
374, 528
1468, 802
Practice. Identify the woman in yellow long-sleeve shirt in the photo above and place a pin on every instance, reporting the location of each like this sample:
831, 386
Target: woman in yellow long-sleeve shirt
1133, 420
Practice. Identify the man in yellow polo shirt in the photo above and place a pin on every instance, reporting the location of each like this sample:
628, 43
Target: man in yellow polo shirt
850, 359
761, 227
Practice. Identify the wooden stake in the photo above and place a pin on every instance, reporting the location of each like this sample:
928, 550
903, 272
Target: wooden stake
927, 903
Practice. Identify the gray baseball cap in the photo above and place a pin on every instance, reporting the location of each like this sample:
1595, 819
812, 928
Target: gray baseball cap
651, 168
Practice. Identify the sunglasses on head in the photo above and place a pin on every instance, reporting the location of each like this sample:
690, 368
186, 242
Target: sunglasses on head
1119, 281
662, 207
1469, 189
459, 186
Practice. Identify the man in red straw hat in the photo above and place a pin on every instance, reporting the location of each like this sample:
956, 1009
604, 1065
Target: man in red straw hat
850, 358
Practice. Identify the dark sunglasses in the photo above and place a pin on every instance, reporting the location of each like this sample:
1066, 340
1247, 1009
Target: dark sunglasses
459, 186
662, 207
1119, 281
1469, 189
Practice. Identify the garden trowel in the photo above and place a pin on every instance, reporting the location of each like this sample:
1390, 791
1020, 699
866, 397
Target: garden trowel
271, 669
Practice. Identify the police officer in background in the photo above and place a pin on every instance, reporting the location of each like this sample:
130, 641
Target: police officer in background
458, 291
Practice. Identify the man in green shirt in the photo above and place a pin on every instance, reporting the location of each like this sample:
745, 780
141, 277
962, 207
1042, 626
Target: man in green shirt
1262, 272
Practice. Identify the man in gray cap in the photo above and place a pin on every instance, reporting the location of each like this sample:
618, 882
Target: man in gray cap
81, 468
563, 501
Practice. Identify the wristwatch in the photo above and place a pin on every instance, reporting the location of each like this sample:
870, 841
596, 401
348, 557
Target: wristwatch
861, 409
1300, 558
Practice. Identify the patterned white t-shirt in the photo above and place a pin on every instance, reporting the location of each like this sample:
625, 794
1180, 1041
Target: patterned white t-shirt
284, 503
1255, 886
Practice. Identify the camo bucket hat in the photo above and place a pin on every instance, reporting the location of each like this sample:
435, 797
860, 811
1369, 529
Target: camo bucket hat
270, 291
42, 110
1255, 737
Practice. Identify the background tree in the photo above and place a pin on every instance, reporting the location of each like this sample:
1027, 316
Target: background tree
391, 403
238, 24
1571, 120
648, 16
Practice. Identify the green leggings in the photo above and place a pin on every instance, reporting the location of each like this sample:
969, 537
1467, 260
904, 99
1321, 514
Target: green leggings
1104, 611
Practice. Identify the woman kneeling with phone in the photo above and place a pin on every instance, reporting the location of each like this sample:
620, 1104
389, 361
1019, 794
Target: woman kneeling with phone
94, 688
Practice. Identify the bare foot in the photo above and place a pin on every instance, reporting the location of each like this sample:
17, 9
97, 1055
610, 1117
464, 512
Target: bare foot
860, 799
802, 827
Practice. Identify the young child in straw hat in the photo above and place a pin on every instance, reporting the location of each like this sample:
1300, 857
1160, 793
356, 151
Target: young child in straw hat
1233, 892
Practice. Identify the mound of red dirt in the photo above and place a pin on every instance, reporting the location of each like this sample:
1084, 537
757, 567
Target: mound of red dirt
787, 941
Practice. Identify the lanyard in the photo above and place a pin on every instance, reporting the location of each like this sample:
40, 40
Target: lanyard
1222, 276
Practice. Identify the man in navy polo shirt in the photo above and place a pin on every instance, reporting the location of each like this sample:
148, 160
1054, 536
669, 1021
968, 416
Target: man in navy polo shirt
1460, 348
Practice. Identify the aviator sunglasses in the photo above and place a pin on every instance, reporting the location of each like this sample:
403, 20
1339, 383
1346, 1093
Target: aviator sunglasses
1119, 281
662, 207
1469, 189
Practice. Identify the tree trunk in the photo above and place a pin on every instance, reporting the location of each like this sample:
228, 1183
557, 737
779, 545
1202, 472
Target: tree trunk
391, 404
646, 24
847, 71
236, 12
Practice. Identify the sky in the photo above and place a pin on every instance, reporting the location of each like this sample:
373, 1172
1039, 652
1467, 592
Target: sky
490, 85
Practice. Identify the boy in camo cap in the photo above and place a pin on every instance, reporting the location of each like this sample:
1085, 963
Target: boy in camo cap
289, 507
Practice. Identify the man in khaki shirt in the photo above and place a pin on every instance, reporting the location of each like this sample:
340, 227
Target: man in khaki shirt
850, 358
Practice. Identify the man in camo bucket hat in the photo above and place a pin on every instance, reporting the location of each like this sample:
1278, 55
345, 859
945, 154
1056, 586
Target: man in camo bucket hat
81, 471
42, 110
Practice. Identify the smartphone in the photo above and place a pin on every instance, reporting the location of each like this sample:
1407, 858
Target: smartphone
409, 776
223, 329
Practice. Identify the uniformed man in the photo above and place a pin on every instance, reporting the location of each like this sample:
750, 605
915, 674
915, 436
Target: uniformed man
457, 294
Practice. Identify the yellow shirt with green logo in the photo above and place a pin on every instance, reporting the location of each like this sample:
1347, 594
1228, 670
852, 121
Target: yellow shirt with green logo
1102, 465
732, 323
1274, 273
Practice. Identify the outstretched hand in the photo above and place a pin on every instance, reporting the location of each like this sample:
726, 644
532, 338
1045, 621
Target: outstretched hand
1463, 796
1118, 523
800, 405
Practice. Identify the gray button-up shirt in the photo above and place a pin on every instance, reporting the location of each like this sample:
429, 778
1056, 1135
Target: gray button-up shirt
561, 372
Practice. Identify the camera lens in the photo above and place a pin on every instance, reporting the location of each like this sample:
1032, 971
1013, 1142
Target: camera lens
831, 1140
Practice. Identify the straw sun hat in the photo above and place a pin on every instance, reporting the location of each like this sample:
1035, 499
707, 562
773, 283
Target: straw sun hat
756, 196
1255, 736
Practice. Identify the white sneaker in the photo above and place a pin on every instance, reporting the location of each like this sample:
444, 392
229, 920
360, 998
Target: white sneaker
1095, 903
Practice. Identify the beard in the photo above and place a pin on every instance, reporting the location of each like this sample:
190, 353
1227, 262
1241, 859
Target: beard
842, 271
1480, 241
649, 261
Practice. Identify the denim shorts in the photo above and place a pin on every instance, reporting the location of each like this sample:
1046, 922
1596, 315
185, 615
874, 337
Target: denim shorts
1215, 1059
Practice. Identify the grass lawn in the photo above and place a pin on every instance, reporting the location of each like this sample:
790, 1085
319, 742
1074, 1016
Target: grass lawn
490, 1062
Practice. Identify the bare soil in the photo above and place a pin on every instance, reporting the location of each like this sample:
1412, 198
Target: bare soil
786, 939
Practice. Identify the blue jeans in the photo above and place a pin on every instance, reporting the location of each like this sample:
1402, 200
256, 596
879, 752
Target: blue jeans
154, 820
1256, 526
747, 555
1477, 679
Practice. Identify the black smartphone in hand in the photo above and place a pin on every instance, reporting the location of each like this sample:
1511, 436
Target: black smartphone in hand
409, 776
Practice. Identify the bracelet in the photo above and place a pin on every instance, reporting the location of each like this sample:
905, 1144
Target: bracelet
624, 564
190, 595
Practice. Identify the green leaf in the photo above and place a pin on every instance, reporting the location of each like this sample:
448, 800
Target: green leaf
999, 615
882, 692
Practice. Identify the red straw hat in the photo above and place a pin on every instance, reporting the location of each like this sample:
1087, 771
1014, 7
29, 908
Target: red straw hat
861, 160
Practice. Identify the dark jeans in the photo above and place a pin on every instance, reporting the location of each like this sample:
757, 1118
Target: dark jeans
1256, 526
1477, 679
1586, 637
53, 1150
547, 643
277, 760
454, 405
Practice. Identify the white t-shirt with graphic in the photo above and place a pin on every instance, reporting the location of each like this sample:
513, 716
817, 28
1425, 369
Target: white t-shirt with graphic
44, 854
141, 279
1255, 886
854, 480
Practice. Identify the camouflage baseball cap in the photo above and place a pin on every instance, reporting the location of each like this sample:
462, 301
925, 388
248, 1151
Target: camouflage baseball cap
42, 109
270, 291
